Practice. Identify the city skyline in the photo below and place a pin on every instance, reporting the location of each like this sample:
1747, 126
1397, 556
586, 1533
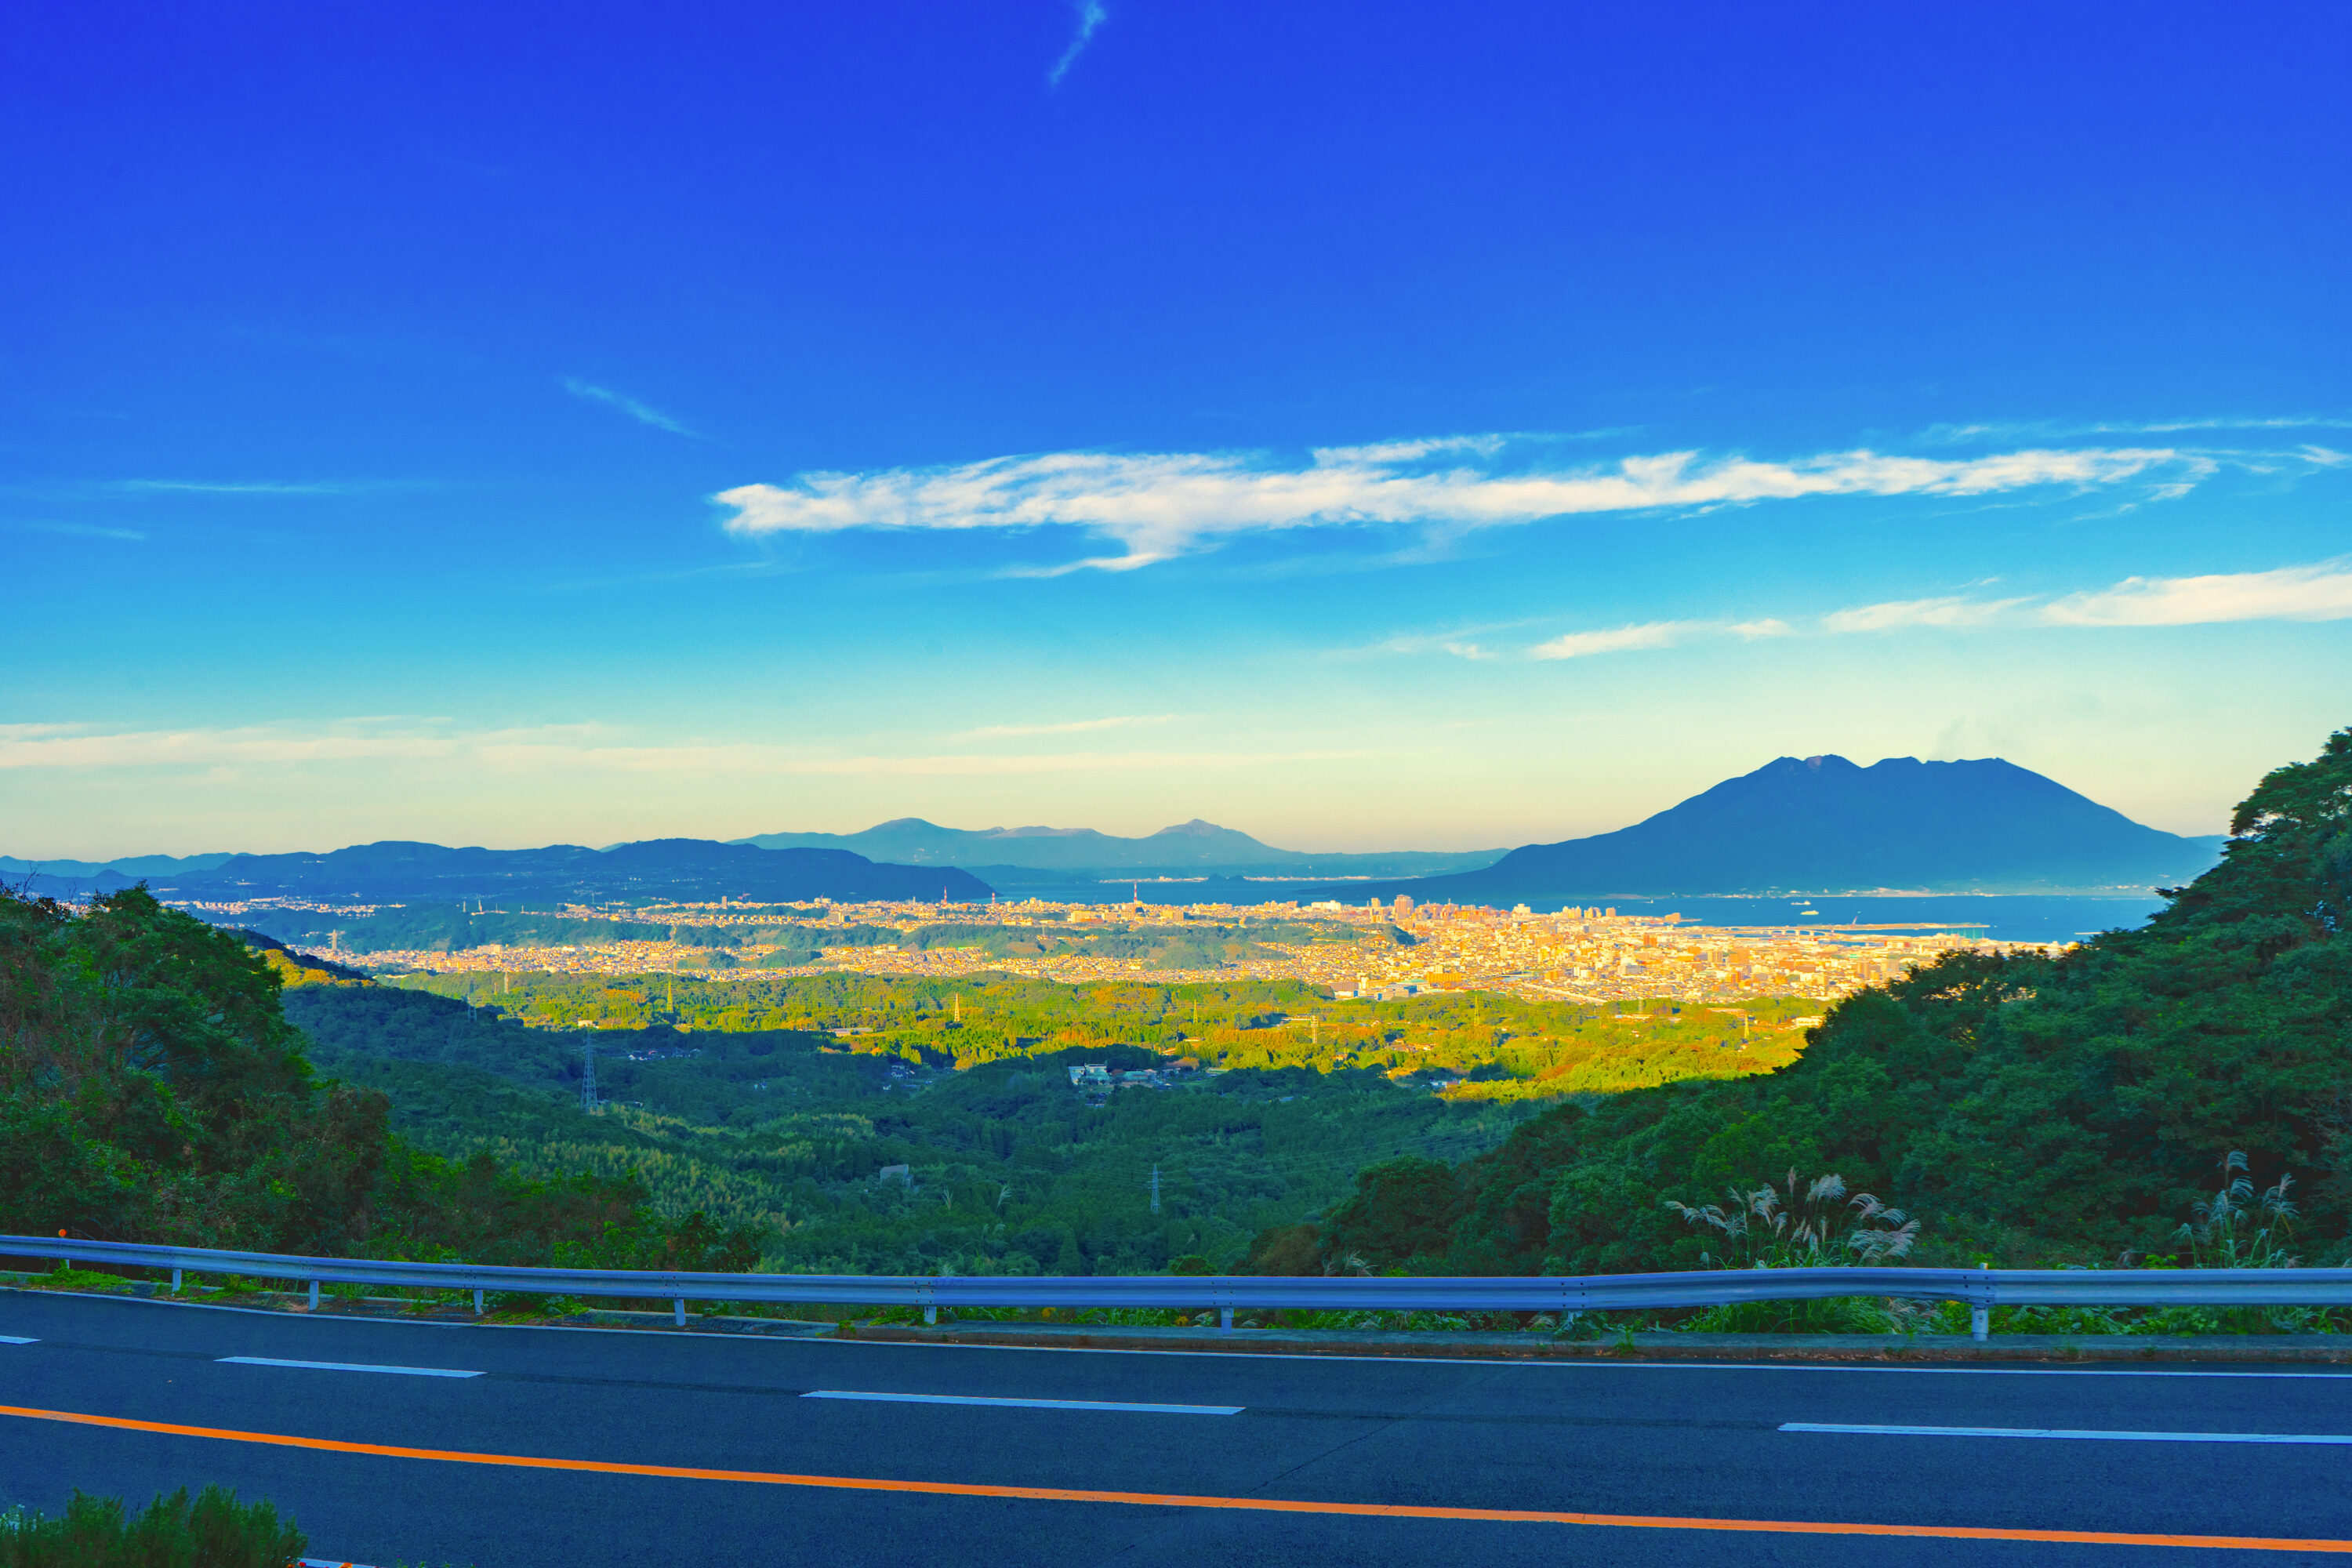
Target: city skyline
1368, 430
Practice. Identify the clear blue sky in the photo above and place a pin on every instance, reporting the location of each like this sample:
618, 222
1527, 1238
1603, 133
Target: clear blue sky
1368, 425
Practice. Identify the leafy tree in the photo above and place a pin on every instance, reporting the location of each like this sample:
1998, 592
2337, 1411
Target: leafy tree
152, 1090
1401, 1212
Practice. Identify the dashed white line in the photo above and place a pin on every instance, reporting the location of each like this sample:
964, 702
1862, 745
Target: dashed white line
15, 1340
1029, 1404
2061, 1432
346, 1366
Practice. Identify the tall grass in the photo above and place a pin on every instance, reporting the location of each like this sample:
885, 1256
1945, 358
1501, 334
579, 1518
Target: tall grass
214, 1530
1807, 1225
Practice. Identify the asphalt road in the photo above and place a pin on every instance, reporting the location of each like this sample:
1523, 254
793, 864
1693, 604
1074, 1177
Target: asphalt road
1655, 1447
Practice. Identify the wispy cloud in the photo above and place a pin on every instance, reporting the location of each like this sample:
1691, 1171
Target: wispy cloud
2322, 592
1621, 639
2051, 429
79, 529
560, 751
1075, 727
1769, 627
1159, 506
1901, 613
247, 486
1091, 15
643, 413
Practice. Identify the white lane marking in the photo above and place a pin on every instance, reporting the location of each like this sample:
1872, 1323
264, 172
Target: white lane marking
2063, 1432
1529, 1363
345, 1367
1031, 1404
13, 1340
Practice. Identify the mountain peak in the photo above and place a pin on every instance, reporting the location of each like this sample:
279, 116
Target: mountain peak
1822, 824
1197, 829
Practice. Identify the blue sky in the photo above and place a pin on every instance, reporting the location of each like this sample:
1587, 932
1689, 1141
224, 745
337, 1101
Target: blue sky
1366, 426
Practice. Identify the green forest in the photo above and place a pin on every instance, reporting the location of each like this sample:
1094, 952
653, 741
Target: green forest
1481, 1045
151, 1089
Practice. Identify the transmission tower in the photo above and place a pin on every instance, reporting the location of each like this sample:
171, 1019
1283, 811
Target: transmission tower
588, 1076
1155, 1189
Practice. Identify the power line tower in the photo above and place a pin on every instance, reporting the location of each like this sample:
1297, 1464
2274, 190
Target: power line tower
588, 1076
1155, 1189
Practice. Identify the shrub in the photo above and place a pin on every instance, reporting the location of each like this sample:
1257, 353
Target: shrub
214, 1530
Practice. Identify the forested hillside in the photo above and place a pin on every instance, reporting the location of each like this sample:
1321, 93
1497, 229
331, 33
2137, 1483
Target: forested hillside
885, 1152
151, 1089
2029, 1110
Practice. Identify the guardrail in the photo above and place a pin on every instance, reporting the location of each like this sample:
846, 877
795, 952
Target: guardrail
1981, 1288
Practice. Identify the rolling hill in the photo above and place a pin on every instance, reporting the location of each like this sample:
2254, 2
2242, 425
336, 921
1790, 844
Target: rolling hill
397, 871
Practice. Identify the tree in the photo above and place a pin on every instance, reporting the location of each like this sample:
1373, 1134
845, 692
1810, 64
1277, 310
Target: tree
1403, 1212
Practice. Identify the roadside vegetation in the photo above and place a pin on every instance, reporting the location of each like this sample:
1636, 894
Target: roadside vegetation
211, 1531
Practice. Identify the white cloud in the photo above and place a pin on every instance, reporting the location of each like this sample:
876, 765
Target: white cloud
1076, 727
243, 487
1157, 506
2322, 592
1951, 612
79, 529
2045, 429
1407, 451
1578, 644
205, 748
643, 413
1091, 15
2317, 593
561, 750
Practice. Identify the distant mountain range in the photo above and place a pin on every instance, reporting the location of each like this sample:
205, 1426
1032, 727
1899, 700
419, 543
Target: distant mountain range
1813, 825
1822, 824
129, 868
1014, 854
396, 871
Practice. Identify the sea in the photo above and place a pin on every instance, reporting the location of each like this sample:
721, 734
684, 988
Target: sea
1999, 916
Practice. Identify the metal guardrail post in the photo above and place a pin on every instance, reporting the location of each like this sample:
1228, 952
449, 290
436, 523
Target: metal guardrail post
175, 1281
477, 1303
1983, 1288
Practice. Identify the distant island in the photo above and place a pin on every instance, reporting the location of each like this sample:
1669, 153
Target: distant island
1822, 824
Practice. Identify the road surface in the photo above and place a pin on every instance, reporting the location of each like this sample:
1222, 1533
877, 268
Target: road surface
552, 1448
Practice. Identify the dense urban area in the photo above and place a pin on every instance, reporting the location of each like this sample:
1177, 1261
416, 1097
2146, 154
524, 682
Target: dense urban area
1368, 951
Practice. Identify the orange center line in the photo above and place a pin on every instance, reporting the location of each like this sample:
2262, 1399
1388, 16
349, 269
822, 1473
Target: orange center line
1177, 1499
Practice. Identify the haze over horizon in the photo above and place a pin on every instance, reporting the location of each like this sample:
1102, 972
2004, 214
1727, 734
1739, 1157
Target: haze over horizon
1369, 429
